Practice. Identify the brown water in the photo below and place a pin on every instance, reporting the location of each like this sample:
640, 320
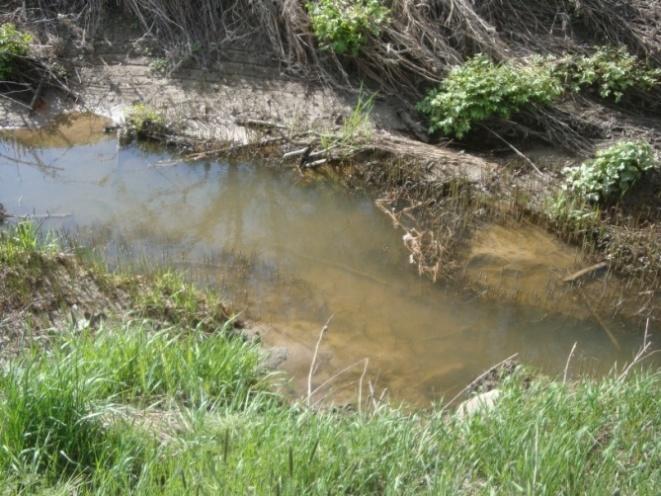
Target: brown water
292, 253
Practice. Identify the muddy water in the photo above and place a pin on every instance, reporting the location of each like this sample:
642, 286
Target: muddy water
292, 253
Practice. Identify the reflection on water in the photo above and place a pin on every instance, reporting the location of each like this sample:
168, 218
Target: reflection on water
292, 254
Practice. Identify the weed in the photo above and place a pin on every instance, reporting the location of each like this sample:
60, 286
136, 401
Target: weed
610, 71
612, 173
144, 120
167, 297
343, 25
480, 89
356, 127
159, 66
573, 215
22, 240
546, 438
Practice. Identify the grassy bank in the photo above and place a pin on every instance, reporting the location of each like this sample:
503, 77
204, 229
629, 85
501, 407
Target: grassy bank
145, 403
132, 411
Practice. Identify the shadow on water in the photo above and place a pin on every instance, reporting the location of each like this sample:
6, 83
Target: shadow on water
291, 254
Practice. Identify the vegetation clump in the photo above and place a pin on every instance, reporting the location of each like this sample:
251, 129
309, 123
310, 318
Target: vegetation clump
168, 298
610, 71
355, 129
612, 173
144, 121
13, 45
480, 89
343, 25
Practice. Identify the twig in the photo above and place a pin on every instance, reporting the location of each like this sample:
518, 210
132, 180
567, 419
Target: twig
584, 272
37, 93
295, 153
316, 163
259, 123
516, 150
642, 353
17, 102
571, 353
44, 216
323, 331
360, 385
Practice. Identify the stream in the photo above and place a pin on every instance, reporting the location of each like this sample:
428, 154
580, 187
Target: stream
290, 253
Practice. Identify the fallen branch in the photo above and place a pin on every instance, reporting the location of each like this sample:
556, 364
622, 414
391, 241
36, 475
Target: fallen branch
517, 151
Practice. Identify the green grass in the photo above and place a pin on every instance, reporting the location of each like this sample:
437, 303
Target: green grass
169, 298
22, 241
23, 259
231, 436
356, 128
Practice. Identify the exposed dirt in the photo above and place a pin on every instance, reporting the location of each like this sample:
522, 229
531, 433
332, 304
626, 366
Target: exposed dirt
40, 292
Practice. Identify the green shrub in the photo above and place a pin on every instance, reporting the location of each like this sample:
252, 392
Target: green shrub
13, 44
343, 25
611, 173
142, 119
573, 215
611, 71
480, 89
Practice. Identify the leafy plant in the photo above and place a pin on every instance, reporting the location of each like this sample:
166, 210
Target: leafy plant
611, 173
160, 66
343, 25
480, 89
13, 44
611, 71
142, 118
